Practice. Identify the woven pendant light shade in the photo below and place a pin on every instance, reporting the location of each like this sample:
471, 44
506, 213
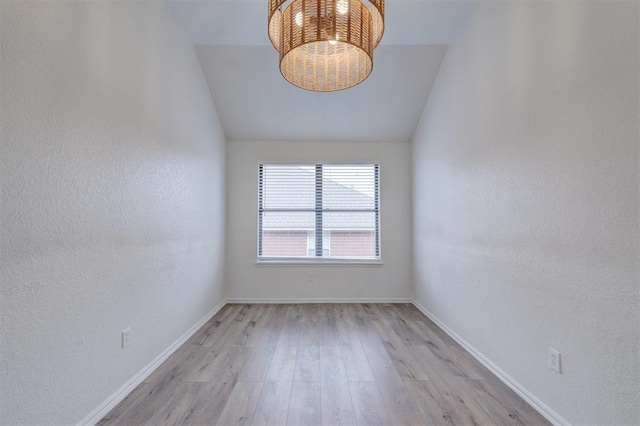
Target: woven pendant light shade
325, 45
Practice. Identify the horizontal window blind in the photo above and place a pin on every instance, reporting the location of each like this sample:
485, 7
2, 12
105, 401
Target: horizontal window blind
318, 211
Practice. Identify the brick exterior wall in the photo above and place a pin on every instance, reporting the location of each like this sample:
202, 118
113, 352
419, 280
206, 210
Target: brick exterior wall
278, 243
353, 243
343, 244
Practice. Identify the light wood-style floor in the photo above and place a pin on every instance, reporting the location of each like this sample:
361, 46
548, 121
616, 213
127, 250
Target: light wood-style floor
329, 364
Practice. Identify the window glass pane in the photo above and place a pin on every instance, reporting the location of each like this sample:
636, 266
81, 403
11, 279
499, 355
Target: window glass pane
290, 187
337, 202
288, 221
352, 234
349, 221
348, 187
285, 243
353, 243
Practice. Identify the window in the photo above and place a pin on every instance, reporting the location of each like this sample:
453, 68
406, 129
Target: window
318, 211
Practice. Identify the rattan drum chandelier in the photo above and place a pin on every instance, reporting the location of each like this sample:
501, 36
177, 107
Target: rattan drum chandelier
325, 45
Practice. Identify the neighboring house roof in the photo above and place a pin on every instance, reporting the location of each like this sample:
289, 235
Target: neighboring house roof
295, 189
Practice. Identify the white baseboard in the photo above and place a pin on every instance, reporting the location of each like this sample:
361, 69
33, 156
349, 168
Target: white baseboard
96, 415
319, 300
531, 399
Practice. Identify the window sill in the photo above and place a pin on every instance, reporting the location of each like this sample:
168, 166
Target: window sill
319, 262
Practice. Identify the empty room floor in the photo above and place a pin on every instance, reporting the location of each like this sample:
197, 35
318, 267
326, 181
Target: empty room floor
330, 364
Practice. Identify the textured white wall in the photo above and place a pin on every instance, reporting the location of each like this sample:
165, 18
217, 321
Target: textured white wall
247, 280
112, 168
526, 200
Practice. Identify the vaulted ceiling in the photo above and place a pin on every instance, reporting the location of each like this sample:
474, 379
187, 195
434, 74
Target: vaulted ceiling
254, 101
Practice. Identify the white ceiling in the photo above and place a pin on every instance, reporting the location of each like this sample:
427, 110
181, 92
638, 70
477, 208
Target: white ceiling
254, 102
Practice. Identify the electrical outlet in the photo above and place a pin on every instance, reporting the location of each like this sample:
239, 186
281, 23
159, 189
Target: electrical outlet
310, 276
554, 360
126, 337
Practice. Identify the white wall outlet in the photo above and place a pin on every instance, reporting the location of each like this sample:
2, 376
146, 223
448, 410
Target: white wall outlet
310, 277
554, 360
126, 337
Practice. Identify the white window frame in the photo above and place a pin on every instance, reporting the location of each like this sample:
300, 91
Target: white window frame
326, 245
